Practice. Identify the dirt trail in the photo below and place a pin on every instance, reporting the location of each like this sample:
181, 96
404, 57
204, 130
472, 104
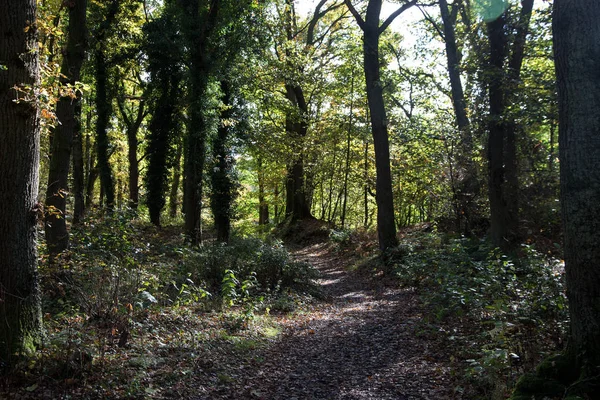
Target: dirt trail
365, 341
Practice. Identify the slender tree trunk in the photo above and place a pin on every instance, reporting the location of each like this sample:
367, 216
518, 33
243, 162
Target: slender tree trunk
103, 114
466, 185
366, 185
78, 170
263, 206
221, 173
20, 303
498, 207
348, 142
174, 195
577, 57
133, 127
57, 235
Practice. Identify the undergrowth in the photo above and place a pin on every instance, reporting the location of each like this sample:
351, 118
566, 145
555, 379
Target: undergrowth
127, 290
502, 313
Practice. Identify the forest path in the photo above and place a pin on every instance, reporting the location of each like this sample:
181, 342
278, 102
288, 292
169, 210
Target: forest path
366, 340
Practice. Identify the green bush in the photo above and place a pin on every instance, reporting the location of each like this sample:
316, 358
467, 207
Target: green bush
251, 266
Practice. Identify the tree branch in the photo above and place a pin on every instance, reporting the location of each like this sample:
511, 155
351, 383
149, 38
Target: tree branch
359, 20
393, 15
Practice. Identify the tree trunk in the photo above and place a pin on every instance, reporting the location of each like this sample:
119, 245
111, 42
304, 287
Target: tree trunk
197, 34
20, 304
466, 184
174, 195
577, 57
221, 173
133, 127
103, 104
263, 206
57, 235
78, 170
503, 162
348, 142
386, 228
103, 114
297, 207
498, 207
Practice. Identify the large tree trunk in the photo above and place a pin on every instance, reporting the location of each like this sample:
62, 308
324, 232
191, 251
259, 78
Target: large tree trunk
577, 57
386, 228
20, 305
57, 235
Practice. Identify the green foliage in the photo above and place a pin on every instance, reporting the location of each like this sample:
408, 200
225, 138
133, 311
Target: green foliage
248, 267
517, 301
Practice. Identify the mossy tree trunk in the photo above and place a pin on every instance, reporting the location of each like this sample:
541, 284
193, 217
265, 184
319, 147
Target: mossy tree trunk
20, 311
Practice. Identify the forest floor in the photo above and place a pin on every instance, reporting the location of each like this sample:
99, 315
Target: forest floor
363, 338
441, 332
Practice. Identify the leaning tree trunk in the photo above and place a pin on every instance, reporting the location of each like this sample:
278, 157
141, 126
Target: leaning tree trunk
20, 306
577, 57
57, 235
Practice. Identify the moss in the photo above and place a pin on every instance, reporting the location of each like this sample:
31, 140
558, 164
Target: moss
535, 387
559, 368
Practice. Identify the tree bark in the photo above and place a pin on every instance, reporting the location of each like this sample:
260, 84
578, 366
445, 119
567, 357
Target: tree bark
57, 235
386, 227
195, 153
466, 184
577, 57
221, 173
78, 170
498, 207
20, 304
133, 126
174, 194
502, 140
263, 206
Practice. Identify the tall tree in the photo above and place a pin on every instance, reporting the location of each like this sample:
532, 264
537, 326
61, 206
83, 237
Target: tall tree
103, 103
201, 18
20, 305
577, 57
467, 185
502, 139
372, 30
69, 126
221, 174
